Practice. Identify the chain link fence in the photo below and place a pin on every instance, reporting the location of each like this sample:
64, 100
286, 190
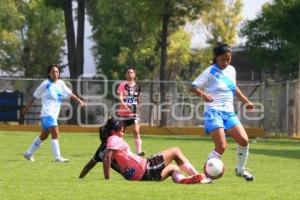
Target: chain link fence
277, 103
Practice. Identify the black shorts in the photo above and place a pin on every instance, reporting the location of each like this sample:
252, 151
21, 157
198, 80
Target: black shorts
155, 165
128, 121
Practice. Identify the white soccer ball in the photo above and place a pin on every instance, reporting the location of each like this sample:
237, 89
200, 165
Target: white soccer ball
214, 168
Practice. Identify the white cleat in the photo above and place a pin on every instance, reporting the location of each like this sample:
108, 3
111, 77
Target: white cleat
206, 180
61, 159
245, 173
28, 157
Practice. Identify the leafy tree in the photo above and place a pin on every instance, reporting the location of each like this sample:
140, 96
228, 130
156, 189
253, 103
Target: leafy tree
10, 20
31, 37
273, 38
124, 32
222, 20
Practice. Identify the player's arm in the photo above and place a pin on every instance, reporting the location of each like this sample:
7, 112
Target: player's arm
30, 102
107, 163
87, 168
244, 99
206, 97
78, 100
121, 98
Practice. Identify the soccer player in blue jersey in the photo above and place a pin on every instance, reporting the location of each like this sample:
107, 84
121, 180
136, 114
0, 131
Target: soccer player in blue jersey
52, 91
216, 85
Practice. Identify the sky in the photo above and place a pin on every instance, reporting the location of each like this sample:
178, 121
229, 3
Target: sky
250, 10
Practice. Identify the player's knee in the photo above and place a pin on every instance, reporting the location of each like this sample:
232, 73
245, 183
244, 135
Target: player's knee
221, 148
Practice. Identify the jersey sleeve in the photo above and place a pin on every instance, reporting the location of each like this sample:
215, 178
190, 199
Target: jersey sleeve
114, 142
121, 88
66, 91
201, 79
38, 93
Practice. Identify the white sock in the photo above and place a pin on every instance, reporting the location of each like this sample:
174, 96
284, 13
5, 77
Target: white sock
34, 146
138, 145
242, 155
188, 168
177, 176
214, 154
55, 148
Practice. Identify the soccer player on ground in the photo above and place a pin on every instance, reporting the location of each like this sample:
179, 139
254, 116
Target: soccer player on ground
129, 95
51, 91
216, 85
133, 167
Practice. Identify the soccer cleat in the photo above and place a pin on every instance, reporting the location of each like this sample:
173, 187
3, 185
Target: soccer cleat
206, 180
193, 179
142, 153
28, 157
245, 173
61, 159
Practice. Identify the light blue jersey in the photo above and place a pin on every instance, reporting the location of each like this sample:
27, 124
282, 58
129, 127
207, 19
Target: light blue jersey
220, 85
52, 94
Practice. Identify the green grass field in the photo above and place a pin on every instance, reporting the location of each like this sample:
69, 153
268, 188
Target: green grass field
274, 162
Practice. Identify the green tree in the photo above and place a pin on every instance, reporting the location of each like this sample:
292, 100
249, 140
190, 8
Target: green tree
273, 38
222, 20
31, 37
124, 32
10, 21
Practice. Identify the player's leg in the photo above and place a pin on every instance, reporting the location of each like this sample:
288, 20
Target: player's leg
175, 154
240, 136
37, 142
218, 136
137, 138
55, 145
174, 171
214, 126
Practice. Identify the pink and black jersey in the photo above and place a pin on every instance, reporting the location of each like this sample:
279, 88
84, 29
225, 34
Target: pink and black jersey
132, 167
130, 94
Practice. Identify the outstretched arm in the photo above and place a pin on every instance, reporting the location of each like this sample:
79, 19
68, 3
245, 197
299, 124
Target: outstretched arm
87, 168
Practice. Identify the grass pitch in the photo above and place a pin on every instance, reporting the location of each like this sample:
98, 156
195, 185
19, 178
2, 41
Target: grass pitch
274, 162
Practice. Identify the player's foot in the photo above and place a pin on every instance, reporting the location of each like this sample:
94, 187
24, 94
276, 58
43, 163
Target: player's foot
142, 153
61, 159
193, 179
28, 157
206, 180
244, 173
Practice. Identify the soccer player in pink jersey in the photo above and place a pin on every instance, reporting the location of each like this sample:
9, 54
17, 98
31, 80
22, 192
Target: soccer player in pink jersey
129, 95
155, 168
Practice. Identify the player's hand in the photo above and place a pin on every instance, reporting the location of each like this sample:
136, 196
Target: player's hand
207, 98
24, 110
249, 105
82, 103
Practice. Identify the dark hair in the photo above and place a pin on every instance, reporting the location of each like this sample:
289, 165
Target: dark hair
128, 68
105, 131
50, 68
220, 50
